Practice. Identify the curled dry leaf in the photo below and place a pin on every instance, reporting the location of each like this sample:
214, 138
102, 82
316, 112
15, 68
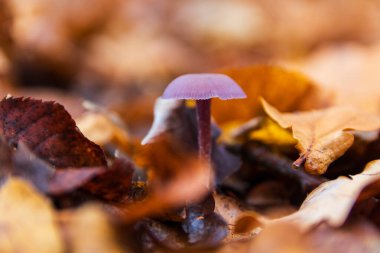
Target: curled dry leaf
43, 125
270, 82
27, 220
332, 201
323, 135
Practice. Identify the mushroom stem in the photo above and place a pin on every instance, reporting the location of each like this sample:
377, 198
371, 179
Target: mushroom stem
204, 129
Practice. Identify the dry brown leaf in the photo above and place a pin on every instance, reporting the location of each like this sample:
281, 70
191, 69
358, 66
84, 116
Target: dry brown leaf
323, 135
270, 82
27, 220
332, 201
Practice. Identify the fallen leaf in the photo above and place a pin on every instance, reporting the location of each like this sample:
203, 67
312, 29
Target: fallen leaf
341, 68
270, 82
44, 125
357, 236
323, 135
332, 201
27, 220
89, 229
271, 133
105, 127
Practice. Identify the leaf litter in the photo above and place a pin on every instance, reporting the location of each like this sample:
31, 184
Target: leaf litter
154, 197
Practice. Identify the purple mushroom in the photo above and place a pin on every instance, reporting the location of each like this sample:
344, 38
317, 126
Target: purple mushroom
203, 87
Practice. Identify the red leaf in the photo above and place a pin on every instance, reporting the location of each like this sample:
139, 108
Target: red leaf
49, 131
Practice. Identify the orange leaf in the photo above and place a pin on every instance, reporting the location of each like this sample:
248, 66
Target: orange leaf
287, 90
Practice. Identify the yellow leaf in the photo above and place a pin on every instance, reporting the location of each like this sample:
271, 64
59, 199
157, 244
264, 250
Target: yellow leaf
228, 133
271, 133
90, 230
27, 220
323, 135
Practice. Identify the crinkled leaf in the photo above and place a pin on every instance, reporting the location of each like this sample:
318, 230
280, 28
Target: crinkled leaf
332, 201
323, 135
49, 131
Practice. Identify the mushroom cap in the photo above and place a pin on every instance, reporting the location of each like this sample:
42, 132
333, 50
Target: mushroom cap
203, 86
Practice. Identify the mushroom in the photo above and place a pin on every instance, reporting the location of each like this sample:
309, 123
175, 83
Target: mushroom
203, 87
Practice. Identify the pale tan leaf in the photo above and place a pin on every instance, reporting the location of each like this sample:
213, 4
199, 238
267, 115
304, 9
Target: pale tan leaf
104, 128
90, 230
27, 220
323, 135
332, 201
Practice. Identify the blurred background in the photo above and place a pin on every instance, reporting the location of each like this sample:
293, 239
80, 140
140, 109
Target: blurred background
122, 53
